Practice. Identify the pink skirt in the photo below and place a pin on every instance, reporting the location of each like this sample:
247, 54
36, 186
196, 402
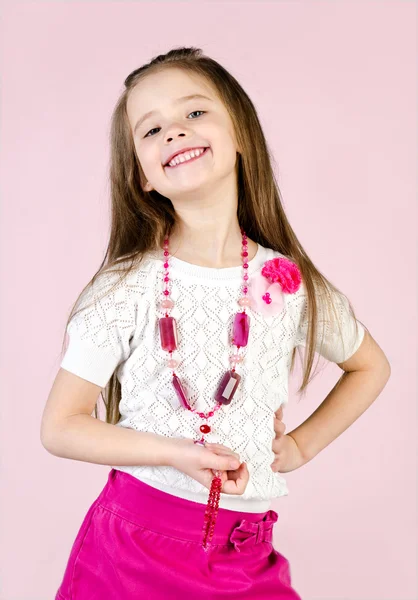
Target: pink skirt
139, 542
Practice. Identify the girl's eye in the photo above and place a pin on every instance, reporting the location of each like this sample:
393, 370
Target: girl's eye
195, 111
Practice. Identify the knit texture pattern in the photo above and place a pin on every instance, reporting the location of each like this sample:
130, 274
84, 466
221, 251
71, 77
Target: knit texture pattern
119, 331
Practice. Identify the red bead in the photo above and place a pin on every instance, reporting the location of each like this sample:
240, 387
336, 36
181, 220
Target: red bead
204, 428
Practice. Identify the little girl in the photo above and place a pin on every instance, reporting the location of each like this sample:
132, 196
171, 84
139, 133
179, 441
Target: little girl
189, 330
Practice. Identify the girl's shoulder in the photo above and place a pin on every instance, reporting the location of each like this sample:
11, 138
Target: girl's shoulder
122, 282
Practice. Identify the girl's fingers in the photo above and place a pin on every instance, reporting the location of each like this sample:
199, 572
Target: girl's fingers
230, 454
279, 426
237, 480
219, 449
221, 461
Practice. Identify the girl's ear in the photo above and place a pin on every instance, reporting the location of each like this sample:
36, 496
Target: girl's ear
148, 187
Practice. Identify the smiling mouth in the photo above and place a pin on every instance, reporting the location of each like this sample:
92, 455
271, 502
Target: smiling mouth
186, 161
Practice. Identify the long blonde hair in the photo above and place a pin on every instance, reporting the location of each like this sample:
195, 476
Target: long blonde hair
140, 220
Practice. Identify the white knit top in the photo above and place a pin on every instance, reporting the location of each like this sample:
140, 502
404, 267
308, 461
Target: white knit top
120, 332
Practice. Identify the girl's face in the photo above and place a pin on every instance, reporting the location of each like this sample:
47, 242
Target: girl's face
176, 124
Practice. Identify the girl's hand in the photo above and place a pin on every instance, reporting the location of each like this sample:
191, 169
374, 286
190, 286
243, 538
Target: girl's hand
201, 463
286, 452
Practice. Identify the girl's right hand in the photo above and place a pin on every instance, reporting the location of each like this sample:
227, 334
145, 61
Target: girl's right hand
201, 463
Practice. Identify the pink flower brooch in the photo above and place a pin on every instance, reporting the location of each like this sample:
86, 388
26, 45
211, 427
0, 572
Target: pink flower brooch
266, 290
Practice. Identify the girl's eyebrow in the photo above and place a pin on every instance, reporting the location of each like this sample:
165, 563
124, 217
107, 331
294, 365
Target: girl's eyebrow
178, 101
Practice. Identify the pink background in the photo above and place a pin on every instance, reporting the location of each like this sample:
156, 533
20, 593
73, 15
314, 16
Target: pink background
335, 87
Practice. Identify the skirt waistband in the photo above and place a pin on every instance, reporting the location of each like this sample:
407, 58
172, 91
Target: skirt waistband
170, 515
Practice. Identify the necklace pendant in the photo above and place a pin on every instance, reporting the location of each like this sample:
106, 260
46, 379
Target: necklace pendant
227, 387
168, 333
205, 428
241, 329
180, 392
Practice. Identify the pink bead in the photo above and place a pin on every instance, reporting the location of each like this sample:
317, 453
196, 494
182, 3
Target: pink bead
211, 413
166, 253
245, 290
244, 254
245, 266
168, 333
235, 358
241, 329
166, 279
166, 265
246, 277
167, 303
244, 301
172, 363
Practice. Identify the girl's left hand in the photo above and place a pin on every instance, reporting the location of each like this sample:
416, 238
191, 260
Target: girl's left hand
287, 456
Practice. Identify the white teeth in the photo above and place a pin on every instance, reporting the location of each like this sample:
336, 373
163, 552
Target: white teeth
185, 156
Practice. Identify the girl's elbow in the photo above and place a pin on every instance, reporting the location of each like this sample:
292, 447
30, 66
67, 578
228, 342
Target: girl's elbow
49, 439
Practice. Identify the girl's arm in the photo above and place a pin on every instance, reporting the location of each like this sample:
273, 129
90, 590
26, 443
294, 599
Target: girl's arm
69, 430
366, 374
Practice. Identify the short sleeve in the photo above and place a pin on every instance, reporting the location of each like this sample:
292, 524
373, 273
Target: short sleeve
338, 336
100, 330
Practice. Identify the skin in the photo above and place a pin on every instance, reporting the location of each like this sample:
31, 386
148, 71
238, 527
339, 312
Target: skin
203, 192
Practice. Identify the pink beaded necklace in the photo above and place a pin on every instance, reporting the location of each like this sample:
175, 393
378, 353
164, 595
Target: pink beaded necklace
228, 384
